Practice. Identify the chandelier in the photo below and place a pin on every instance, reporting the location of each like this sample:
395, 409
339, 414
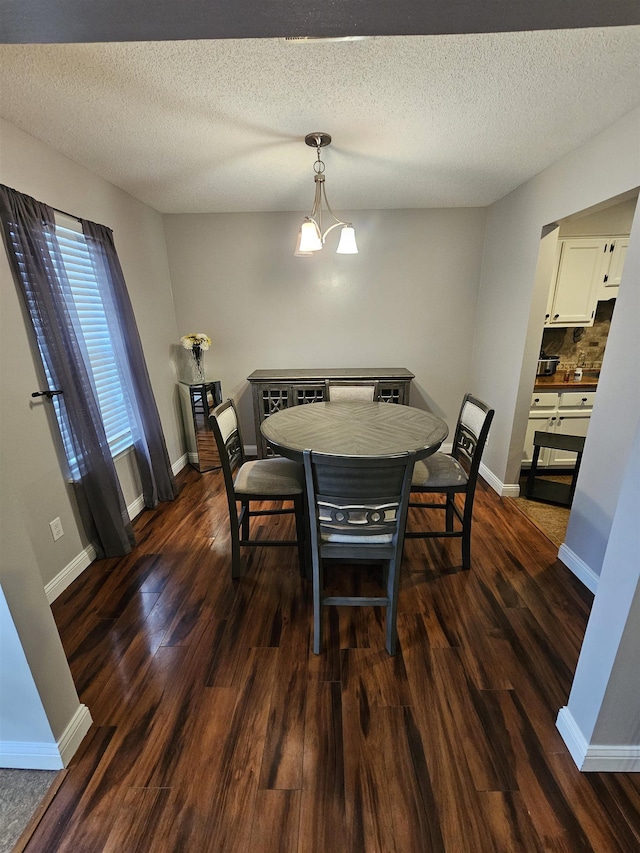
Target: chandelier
311, 237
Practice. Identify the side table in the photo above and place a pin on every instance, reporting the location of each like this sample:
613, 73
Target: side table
198, 401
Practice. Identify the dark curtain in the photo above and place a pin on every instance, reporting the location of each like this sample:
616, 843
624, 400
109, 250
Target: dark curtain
158, 483
28, 229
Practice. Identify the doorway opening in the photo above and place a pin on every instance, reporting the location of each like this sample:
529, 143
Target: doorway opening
586, 252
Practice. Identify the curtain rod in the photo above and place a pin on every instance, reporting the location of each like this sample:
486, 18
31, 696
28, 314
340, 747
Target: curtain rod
64, 213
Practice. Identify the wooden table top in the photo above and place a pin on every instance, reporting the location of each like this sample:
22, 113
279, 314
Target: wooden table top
354, 429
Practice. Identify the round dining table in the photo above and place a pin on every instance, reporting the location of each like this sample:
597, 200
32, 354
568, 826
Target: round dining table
354, 429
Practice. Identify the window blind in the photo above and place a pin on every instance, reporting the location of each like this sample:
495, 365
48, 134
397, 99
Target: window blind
93, 328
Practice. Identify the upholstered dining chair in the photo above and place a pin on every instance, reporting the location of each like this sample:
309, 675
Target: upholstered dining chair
351, 392
454, 474
276, 479
358, 511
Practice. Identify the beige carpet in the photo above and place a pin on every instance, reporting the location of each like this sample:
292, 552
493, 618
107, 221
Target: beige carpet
549, 519
20, 794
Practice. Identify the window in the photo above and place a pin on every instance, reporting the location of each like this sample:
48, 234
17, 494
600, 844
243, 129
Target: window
92, 328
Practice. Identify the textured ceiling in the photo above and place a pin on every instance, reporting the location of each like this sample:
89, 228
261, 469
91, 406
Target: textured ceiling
418, 121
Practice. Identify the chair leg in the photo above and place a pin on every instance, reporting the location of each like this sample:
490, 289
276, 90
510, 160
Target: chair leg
449, 512
236, 559
245, 520
393, 582
466, 533
317, 604
466, 547
301, 535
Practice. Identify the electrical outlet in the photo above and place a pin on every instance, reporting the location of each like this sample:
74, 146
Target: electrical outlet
56, 529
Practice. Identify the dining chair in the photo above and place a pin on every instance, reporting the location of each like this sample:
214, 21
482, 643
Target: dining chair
274, 479
351, 392
358, 512
453, 474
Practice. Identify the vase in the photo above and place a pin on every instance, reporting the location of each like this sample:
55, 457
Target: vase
198, 365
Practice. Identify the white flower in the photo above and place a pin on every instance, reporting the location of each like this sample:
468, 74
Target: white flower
196, 339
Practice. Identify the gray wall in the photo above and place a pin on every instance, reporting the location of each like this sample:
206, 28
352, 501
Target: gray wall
511, 311
33, 486
408, 299
33, 473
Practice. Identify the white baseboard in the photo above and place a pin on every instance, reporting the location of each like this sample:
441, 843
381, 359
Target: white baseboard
135, 507
579, 568
31, 755
505, 490
599, 758
180, 463
74, 569
71, 571
74, 734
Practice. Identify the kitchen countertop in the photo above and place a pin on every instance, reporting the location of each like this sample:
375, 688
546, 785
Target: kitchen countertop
557, 383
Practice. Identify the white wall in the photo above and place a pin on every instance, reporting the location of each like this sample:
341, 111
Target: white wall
408, 299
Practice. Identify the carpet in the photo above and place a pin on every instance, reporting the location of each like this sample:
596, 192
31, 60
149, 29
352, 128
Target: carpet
549, 519
21, 791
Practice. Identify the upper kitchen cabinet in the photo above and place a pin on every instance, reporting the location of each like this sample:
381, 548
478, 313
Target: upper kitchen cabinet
617, 251
579, 271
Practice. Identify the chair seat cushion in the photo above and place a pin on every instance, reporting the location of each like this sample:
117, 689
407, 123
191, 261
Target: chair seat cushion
438, 472
270, 477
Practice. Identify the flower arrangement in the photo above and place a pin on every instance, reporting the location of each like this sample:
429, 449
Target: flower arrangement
196, 343
197, 340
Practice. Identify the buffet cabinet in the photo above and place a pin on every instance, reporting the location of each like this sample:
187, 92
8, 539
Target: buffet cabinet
198, 401
274, 390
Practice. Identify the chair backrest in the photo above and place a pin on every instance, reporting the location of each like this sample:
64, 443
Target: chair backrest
358, 501
226, 429
471, 433
351, 392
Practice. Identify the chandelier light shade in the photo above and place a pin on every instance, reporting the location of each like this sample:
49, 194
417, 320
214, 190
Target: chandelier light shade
311, 237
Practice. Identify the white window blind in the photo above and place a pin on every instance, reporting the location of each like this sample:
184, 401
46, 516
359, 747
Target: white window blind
94, 330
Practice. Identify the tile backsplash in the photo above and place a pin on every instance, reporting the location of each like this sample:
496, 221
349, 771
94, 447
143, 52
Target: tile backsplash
584, 346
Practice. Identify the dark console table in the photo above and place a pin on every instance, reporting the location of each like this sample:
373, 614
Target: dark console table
275, 390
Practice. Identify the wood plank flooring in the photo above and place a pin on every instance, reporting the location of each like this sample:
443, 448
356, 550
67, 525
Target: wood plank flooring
216, 728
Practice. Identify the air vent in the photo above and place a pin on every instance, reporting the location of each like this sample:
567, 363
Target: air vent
324, 38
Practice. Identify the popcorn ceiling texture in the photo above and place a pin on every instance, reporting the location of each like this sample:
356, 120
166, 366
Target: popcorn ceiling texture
419, 121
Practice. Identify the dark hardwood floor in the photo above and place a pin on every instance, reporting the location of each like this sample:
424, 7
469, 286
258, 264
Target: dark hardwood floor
216, 728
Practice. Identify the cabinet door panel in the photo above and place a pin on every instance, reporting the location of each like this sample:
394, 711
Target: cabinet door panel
575, 424
392, 393
539, 423
617, 258
303, 394
579, 272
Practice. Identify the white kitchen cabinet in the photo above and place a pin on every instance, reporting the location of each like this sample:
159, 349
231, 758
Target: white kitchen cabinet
588, 269
617, 252
579, 271
567, 413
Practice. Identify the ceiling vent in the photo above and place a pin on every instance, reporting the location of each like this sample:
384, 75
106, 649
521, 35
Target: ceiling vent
324, 38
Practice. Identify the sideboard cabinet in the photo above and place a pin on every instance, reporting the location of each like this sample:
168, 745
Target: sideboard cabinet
274, 390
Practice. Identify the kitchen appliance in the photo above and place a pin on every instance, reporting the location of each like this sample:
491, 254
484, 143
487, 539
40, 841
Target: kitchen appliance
547, 364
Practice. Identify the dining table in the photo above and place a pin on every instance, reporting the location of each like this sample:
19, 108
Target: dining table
354, 429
